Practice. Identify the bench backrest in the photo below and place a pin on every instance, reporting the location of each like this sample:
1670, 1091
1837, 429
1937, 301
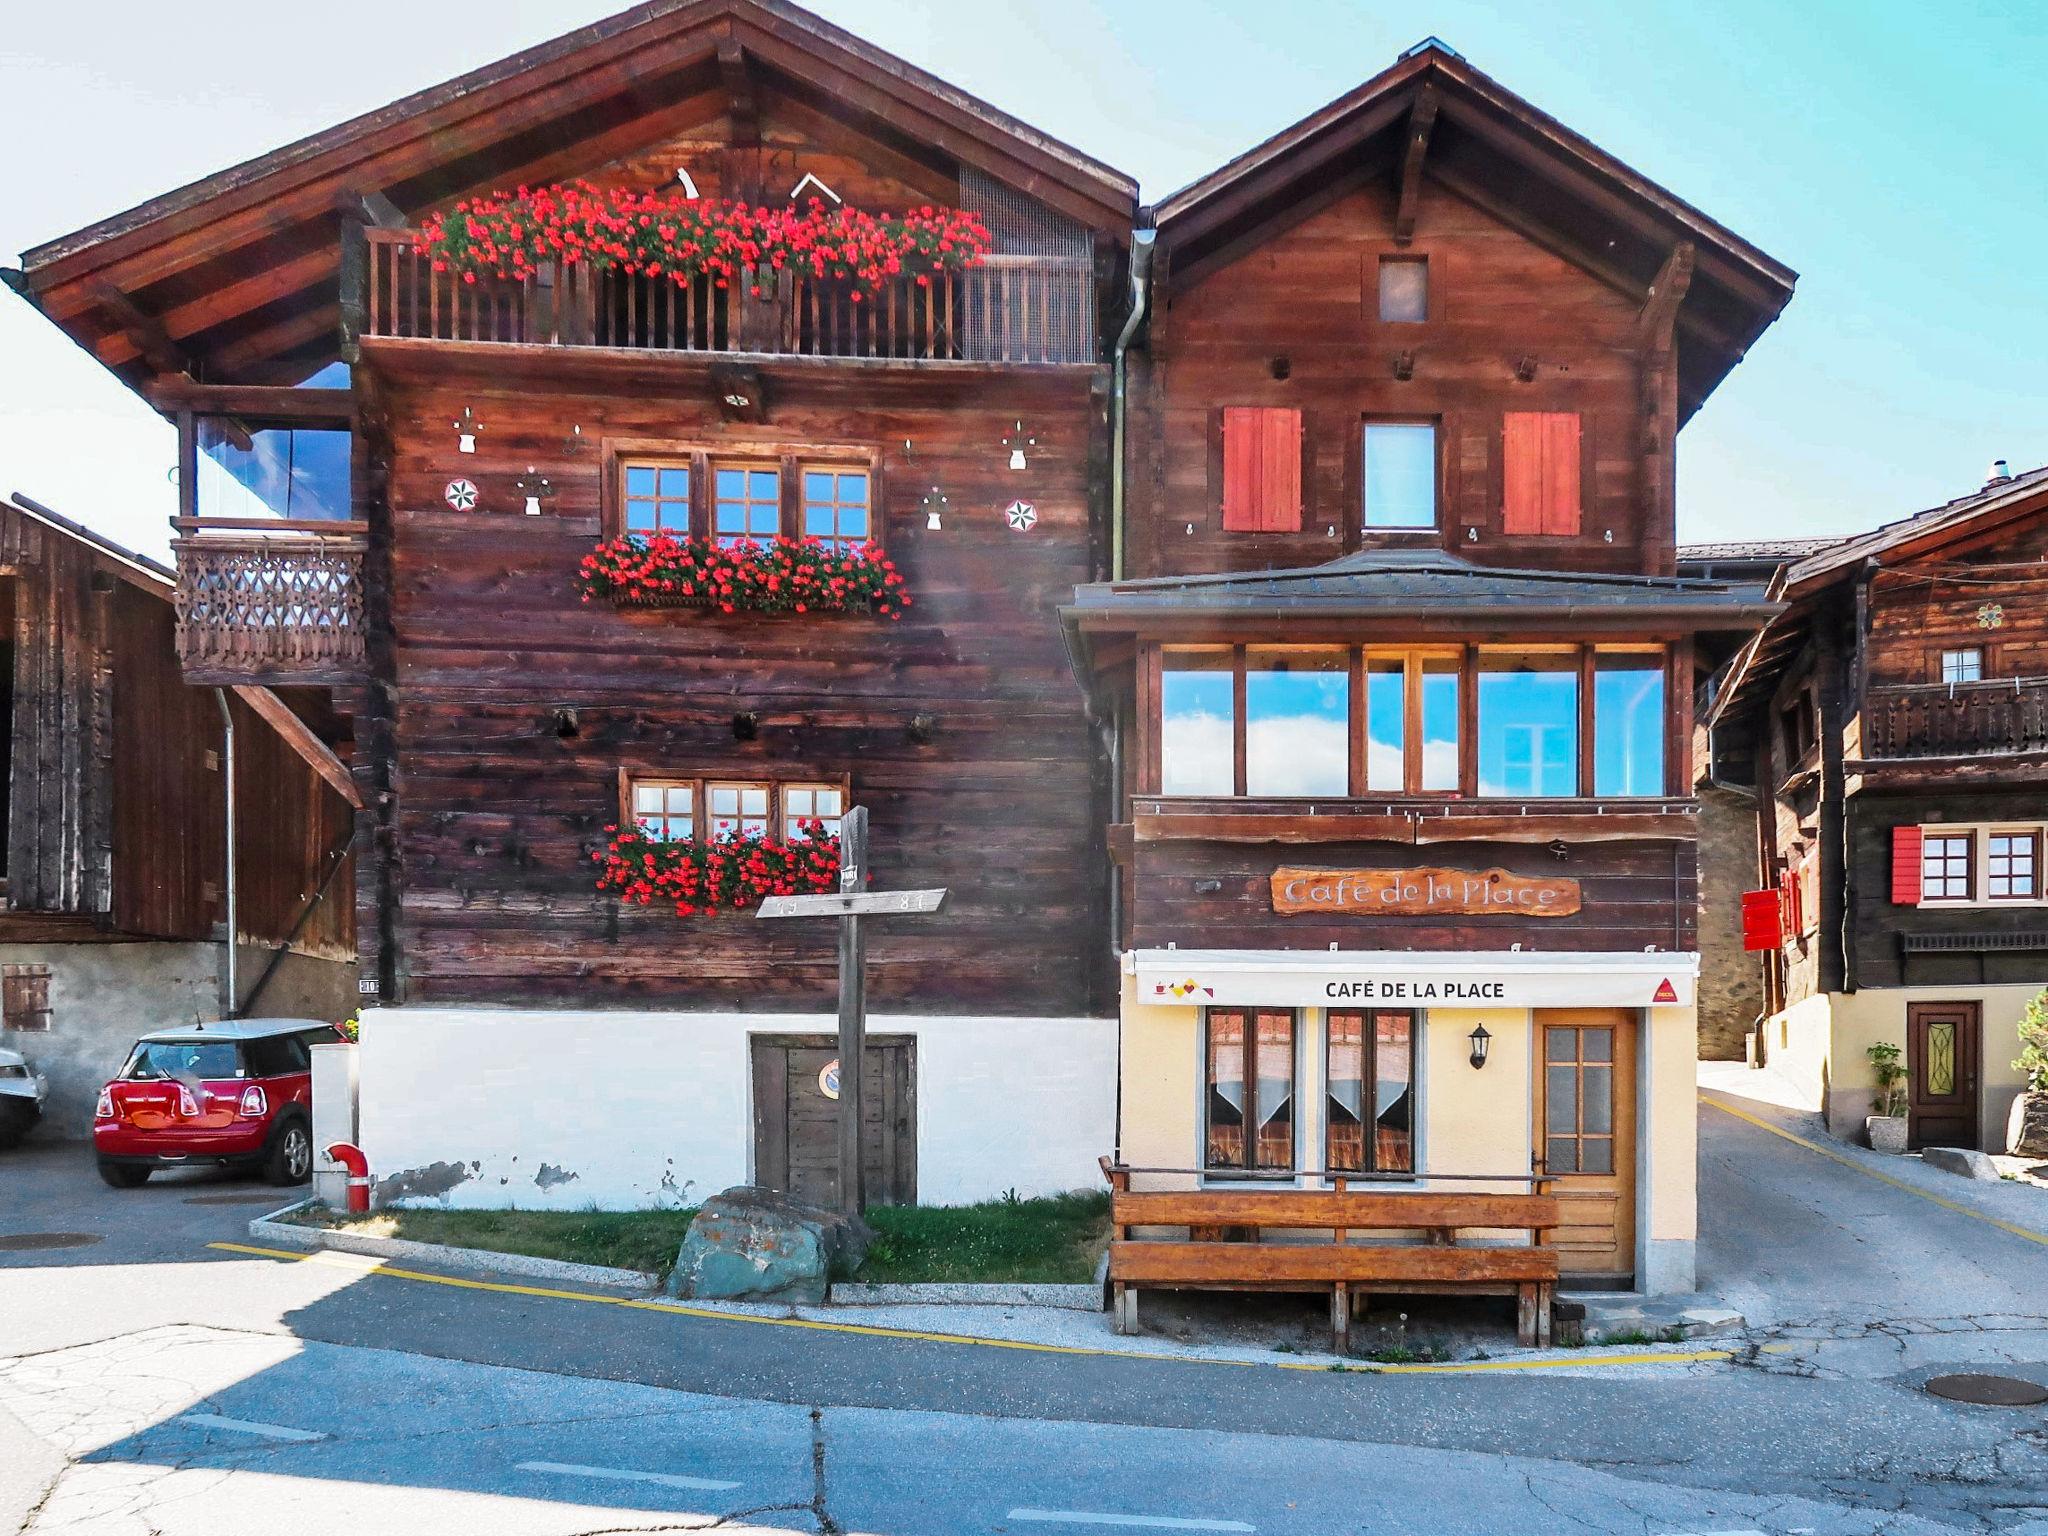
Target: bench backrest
1333, 1209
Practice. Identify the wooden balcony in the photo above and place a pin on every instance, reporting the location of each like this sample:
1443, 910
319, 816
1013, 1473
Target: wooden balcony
1005, 309
266, 602
1405, 819
2009, 715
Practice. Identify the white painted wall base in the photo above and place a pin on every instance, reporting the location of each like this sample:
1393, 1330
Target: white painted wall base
490, 1108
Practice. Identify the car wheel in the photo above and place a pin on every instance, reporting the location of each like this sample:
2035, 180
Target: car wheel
15, 1123
123, 1175
291, 1155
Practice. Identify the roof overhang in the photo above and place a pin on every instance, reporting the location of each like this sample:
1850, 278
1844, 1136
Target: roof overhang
1491, 146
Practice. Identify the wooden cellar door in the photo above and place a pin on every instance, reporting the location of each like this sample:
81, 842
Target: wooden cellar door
796, 1118
1586, 1136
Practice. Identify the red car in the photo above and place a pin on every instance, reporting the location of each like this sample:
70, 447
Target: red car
239, 1092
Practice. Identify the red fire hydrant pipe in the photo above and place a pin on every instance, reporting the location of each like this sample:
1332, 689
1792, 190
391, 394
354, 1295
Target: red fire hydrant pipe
358, 1166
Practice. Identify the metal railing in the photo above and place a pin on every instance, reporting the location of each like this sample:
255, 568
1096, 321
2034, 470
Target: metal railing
265, 600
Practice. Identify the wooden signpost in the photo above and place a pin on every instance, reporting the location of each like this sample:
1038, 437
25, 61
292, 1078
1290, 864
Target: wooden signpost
850, 905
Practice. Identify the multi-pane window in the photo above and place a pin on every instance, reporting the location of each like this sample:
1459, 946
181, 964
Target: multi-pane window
1578, 1100
747, 504
1249, 1089
1962, 666
1529, 723
1945, 866
803, 804
2012, 866
657, 498
666, 808
836, 506
1399, 475
1369, 1092
1404, 288
736, 809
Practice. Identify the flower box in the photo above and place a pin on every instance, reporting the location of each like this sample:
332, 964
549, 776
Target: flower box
778, 576
725, 874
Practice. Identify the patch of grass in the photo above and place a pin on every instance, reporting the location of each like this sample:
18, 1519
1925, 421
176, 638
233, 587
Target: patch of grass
1406, 1354
1641, 1336
643, 1240
1054, 1239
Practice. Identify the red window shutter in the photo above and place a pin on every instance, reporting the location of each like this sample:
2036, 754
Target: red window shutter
1521, 460
1261, 469
1788, 897
1762, 920
1906, 866
1540, 489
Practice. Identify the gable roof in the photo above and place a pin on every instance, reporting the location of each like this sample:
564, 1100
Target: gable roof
1489, 145
242, 267
125, 564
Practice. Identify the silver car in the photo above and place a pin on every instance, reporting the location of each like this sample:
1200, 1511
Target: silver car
22, 1091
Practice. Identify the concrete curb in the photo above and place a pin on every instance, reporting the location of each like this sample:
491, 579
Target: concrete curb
1069, 1298
273, 1229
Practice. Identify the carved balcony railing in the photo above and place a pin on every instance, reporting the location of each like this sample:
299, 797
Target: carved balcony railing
1994, 717
269, 601
1004, 309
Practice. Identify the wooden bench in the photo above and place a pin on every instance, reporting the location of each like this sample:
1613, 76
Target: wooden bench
1431, 1263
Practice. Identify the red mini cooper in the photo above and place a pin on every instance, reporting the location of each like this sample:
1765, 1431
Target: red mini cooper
239, 1092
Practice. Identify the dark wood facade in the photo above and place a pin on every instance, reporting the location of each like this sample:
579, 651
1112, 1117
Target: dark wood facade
115, 788
1860, 752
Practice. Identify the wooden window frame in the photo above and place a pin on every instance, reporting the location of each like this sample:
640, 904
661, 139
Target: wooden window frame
789, 460
1942, 654
699, 785
1370, 1054
1674, 665
800, 469
2021, 834
25, 998
1972, 864
1439, 488
616, 477
1249, 1168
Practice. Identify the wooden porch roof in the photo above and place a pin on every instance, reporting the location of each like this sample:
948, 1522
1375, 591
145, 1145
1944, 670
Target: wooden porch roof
236, 277
1432, 116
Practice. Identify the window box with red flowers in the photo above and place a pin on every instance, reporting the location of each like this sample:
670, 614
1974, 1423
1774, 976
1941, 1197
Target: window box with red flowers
777, 576
727, 874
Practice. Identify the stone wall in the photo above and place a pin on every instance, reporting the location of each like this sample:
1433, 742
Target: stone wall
1731, 980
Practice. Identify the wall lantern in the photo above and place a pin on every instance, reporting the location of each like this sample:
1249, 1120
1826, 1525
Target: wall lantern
1482, 1041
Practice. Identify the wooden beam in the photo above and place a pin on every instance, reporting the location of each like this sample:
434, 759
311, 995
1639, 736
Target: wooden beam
1420, 123
742, 101
372, 208
151, 341
260, 401
299, 737
1659, 315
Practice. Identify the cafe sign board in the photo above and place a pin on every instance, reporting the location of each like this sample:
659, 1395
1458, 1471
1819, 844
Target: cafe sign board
1404, 979
1422, 893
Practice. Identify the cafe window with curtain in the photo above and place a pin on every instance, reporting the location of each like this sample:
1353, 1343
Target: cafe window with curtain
1249, 1090
1369, 1091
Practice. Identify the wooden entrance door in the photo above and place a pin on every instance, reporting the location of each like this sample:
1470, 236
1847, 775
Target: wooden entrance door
1942, 1041
1586, 1135
796, 1117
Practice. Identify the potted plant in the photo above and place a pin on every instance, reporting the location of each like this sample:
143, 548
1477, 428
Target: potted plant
2026, 1130
1886, 1126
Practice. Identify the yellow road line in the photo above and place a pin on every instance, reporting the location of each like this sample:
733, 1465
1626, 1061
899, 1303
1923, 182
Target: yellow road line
1883, 1178
365, 1265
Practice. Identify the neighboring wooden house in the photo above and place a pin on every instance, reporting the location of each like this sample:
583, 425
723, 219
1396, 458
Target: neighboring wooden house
1894, 723
1402, 669
444, 454
116, 896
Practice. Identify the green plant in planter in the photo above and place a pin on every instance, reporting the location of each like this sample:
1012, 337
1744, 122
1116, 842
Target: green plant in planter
1890, 1073
2033, 1057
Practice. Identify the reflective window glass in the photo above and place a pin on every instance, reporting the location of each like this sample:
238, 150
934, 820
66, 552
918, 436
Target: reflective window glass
1297, 721
1198, 723
1628, 723
1528, 724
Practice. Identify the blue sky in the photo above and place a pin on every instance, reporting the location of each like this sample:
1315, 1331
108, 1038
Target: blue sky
1888, 151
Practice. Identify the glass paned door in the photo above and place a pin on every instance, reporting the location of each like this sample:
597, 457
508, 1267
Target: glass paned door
1585, 1134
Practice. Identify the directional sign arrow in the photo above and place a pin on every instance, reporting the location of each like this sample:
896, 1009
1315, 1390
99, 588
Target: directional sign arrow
853, 904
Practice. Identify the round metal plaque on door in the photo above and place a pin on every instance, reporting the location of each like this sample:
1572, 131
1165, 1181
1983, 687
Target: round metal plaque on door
828, 1079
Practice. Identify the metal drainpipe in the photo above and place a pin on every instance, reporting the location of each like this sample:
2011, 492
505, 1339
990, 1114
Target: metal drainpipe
227, 721
1141, 272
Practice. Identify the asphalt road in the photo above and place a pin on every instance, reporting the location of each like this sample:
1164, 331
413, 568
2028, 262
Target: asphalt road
367, 1402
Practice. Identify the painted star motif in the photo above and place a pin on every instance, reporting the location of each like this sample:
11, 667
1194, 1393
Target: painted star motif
1022, 516
461, 495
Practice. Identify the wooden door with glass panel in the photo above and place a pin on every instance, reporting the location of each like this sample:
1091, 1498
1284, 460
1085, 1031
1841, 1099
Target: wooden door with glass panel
1941, 1074
1586, 1135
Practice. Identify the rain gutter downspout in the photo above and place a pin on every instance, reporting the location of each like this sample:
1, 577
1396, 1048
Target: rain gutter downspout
227, 763
1141, 288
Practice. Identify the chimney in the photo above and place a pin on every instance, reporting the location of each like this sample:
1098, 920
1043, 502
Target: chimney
1999, 473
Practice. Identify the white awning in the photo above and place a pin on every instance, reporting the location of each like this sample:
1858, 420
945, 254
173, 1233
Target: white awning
1287, 978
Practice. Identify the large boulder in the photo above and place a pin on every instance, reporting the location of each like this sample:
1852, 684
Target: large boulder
2026, 1132
751, 1244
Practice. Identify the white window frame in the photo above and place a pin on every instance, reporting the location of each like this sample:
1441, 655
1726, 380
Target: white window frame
1980, 835
1973, 654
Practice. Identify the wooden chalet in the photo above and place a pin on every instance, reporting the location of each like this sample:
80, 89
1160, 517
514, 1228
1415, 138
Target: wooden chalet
393, 473
1401, 667
1892, 723
118, 892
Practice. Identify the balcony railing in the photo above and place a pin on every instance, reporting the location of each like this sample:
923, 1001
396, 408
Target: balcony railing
269, 601
1005, 309
1958, 719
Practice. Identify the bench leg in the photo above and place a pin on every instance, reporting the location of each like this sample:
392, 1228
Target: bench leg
1545, 1297
1126, 1308
1525, 1315
1340, 1318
